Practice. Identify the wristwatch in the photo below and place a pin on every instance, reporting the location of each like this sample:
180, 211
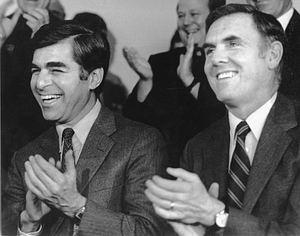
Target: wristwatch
78, 216
221, 218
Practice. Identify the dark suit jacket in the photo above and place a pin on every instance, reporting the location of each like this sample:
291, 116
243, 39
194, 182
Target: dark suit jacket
170, 107
118, 156
272, 199
290, 85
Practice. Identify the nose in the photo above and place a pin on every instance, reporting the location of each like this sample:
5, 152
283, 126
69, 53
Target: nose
43, 80
218, 57
187, 19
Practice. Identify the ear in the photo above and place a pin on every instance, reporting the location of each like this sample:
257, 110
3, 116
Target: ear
96, 78
276, 52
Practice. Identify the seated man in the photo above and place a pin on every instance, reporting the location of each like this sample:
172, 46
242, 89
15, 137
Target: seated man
97, 187
241, 176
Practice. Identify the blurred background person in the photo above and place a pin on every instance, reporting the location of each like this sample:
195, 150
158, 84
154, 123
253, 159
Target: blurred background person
289, 19
179, 108
21, 118
114, 93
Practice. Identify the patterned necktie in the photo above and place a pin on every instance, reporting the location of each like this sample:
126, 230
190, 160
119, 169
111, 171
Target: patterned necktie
239, 168
67, 139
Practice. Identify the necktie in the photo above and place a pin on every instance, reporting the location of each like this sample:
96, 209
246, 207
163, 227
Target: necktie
239, 168
67, 139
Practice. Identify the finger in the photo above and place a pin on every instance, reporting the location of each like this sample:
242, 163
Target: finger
214, 190
161, 193
70, 163
51, 161
158, 201
4, 7
184, 175
190, 47
44, 13
32, 187
16, 16
47, 174
166, 214
172, 185
45, 171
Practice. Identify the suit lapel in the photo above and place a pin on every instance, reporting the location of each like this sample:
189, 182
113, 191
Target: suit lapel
216, 158
96, 148
270, 149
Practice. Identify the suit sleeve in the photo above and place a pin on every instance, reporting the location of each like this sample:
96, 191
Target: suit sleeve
137, 216
244, 223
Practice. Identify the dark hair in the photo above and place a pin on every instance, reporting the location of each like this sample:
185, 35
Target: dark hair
91, 21
90, 49
267, 25
214, 4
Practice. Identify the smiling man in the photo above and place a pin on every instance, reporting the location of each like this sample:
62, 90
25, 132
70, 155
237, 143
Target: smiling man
86, 174
241, 175
181, 105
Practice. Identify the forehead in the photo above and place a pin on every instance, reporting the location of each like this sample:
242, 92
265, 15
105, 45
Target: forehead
188, 5
60, 52
240, 25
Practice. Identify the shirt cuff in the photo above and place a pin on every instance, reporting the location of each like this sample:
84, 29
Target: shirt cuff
36, 233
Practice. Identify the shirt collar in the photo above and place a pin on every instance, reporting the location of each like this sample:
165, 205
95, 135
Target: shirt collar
285, 18
82, 127
255, 121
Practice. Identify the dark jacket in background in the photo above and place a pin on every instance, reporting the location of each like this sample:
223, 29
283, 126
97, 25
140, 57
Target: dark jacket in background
21, 116
290, 85
170, 107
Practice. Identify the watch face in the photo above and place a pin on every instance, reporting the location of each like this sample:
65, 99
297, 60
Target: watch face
221, 219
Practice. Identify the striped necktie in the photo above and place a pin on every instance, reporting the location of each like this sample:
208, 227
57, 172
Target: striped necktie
67, 139
239, 168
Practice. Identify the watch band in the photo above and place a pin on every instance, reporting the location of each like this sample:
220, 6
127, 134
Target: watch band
78, 215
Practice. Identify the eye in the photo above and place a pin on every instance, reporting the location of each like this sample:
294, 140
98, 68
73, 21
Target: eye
233, 44
35, 71
55, 70
208, 51
195, 14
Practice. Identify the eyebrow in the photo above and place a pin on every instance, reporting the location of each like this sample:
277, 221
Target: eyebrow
51, 64
227, 39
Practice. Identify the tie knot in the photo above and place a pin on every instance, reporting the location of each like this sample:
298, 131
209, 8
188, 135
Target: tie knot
67, 134
242, 129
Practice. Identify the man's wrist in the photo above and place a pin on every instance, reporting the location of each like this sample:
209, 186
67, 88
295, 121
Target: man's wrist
26, 225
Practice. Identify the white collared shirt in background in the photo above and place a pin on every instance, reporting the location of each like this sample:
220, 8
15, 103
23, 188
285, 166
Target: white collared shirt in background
285, 18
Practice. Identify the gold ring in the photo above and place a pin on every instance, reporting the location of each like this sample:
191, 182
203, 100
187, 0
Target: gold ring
172, 205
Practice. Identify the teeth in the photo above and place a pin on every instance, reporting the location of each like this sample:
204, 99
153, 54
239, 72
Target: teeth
226, 75
49, 97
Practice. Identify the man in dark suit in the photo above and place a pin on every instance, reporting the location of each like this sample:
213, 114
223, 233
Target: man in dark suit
179, 108
97, 187
241, 176
289, 19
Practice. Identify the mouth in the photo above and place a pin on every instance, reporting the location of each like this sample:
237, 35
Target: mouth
50, 98
191, 31
226, 75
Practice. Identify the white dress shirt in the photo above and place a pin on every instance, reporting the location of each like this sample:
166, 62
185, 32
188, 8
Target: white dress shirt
256, 122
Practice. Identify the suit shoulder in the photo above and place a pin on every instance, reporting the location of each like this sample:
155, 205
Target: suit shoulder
123, 123
217, 129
